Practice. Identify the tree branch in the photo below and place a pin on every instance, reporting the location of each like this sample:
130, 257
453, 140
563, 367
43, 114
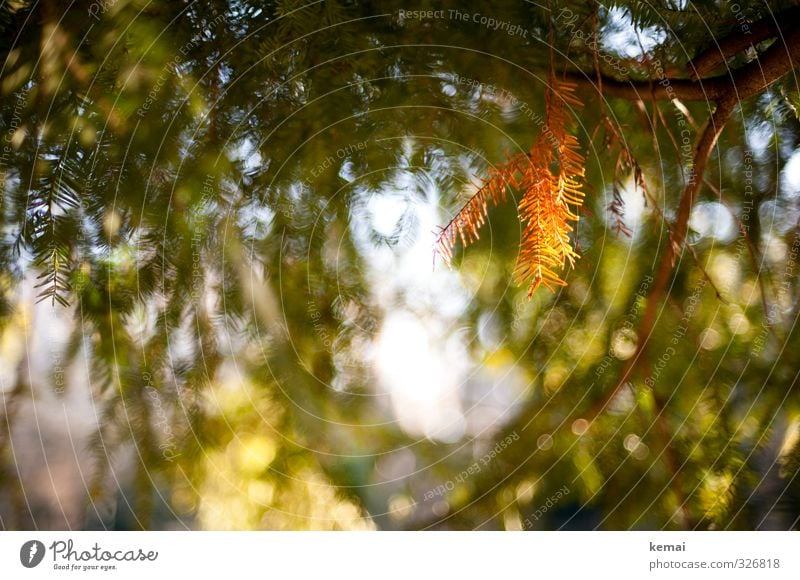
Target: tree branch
742, 39
654, 90
705, 146
745, 82
727, 91
780, 58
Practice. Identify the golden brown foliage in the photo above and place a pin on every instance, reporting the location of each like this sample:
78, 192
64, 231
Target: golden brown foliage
549, 177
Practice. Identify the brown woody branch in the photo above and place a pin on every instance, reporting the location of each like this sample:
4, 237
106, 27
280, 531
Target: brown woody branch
704, 147
745, 82
745, 36
654, 90
780, 58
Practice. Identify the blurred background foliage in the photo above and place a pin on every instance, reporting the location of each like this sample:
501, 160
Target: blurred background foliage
229, 208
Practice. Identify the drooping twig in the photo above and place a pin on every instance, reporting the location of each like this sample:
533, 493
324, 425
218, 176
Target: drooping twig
705, 146
630, 161
550, 197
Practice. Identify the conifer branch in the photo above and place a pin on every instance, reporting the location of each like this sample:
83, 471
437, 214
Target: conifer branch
549, 202
743, 83
779, 59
